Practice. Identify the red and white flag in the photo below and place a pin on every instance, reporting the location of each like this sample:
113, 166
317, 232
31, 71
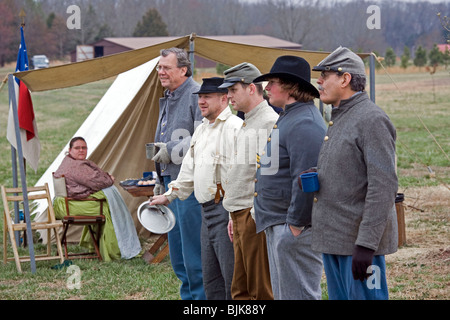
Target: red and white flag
31, 146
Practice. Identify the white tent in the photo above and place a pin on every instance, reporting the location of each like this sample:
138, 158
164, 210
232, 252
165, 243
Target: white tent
100, 123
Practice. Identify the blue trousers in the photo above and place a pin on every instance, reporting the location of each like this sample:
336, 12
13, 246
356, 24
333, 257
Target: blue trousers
342, 286
184, 246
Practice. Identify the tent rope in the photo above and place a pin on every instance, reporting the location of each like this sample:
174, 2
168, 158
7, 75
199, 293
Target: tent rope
412, 153
4, 81
420, 119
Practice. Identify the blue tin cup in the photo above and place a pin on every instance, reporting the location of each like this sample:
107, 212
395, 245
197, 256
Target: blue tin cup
148, 175
310, 182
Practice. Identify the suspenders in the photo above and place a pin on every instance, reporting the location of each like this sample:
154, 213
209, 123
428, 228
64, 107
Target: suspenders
220, 192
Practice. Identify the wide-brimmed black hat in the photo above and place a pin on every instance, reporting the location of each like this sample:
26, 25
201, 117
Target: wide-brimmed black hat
291, 68
211, 85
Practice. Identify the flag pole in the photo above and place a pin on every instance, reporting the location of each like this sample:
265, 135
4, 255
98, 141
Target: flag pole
18, 151
14, 157
13, 103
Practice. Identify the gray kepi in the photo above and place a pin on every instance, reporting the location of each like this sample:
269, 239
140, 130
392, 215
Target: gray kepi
244, 72
342, 60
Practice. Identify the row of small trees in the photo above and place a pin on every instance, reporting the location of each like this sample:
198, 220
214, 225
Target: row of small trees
421, 58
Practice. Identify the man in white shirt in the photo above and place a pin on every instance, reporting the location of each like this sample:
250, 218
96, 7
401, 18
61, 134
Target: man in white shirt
201, 172
251, 272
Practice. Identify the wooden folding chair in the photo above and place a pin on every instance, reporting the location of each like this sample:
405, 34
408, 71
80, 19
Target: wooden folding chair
11, 195
80, 220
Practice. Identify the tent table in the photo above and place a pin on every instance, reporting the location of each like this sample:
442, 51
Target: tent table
149, 256
139, 191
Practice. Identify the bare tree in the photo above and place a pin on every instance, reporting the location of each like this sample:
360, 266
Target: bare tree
317, 25
296, 18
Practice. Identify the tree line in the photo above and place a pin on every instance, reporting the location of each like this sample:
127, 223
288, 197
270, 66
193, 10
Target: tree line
433, 58
316, 25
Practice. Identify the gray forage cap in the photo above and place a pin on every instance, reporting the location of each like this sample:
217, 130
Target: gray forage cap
244, 72
342, 60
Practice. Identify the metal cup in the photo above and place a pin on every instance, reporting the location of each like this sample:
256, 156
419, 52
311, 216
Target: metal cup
150, 150
310, 182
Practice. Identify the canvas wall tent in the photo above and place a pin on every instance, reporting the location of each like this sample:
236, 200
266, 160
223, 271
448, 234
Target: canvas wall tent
116, 129
120, 147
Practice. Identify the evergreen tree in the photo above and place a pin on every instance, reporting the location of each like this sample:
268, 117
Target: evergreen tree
390, 57
151, 25
435, 56
446, 58
405, 57
421, 57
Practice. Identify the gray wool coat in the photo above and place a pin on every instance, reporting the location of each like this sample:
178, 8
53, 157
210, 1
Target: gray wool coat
358, 183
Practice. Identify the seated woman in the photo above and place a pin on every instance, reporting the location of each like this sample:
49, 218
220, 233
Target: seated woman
84, 178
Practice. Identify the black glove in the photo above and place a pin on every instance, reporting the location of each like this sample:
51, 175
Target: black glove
361, 260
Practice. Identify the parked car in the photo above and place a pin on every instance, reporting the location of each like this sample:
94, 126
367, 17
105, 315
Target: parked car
40, 61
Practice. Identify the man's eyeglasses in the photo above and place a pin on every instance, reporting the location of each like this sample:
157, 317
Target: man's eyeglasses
325, 74
163, 68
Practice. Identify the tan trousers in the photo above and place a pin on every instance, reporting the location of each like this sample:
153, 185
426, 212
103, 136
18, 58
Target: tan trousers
251, 279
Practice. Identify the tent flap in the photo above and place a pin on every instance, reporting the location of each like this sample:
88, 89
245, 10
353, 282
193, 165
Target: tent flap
78, 73
263, 58
227, 53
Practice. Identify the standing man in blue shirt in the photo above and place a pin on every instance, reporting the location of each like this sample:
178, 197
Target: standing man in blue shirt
282, 209
178, 116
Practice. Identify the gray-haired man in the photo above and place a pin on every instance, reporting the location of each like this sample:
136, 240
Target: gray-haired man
178, 114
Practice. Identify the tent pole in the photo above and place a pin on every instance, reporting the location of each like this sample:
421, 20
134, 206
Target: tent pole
192, 50
372, 77
13, 102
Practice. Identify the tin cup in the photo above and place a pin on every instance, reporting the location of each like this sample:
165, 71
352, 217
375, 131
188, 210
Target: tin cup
150, 150
147, 175
310, 182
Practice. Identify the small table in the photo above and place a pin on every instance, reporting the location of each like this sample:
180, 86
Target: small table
149, 256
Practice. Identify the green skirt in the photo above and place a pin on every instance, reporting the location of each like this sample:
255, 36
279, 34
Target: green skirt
109, 247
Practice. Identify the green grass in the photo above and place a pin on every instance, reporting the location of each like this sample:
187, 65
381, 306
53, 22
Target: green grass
59, 114
118, 280
422, 121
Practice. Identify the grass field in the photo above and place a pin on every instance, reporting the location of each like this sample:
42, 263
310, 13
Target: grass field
418, 104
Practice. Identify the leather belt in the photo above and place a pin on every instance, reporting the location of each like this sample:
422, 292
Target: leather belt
210, 202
